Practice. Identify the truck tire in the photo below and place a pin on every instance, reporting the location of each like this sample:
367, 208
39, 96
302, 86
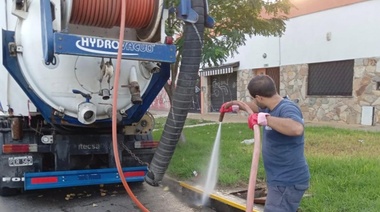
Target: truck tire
5, 191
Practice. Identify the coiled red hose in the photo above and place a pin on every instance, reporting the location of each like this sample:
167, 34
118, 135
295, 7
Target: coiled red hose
106, 13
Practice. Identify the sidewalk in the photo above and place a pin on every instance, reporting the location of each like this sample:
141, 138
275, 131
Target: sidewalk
242, 118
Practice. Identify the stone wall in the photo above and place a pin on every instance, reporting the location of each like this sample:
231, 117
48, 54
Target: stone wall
347, 110
335, 109
244, 76
293, 82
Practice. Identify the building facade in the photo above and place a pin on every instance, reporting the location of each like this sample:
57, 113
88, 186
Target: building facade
328, 58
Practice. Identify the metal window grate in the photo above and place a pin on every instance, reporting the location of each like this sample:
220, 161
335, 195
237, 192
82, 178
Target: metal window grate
223, 89
331, 78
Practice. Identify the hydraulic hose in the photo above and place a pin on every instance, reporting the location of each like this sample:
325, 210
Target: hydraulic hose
254, 167
191, 58
114, 110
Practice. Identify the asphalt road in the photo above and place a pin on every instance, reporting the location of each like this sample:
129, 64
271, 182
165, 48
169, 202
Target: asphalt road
108, 198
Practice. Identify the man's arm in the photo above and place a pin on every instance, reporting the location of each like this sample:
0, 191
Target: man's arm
249, 107
253, 107
286, 126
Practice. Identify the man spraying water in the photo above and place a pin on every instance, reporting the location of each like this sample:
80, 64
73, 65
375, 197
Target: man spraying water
285, 165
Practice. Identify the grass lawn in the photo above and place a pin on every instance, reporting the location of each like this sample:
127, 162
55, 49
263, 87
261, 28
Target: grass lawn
344, 164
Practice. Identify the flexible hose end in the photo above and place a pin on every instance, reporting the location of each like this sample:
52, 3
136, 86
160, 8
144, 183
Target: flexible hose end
149, 178
221, 116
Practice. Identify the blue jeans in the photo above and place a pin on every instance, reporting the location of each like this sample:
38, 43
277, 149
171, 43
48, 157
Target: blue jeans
284, 198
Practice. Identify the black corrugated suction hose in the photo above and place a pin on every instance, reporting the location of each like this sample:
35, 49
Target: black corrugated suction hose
182, 96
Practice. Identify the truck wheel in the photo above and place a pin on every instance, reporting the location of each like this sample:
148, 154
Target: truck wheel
6, 191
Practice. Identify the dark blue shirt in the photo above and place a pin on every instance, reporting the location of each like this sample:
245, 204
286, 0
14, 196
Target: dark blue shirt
284, 159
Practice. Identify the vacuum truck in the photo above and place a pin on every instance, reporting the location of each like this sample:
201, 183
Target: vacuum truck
56, 90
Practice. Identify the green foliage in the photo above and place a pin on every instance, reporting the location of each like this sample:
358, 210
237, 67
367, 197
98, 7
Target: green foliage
234, 21
325, 141
343, 184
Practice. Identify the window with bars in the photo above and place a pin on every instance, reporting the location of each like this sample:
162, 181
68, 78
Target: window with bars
331, 78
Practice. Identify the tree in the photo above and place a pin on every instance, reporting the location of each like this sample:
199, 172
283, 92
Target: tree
234, 21
237, 19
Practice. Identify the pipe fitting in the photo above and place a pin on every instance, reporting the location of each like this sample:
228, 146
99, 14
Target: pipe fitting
108, 110
134, 87
105, 93
86, 113
151, 66
16, 128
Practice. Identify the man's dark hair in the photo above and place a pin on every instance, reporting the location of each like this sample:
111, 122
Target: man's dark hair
262, 85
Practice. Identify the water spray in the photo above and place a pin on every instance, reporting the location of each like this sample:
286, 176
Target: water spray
212, 172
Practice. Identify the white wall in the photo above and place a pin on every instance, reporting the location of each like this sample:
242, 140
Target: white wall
251, 55
10, 92
354, 29
3, 74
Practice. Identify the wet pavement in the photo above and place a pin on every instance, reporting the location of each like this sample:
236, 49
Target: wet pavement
107, 198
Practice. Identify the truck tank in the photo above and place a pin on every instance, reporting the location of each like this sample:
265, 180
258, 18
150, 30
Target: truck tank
56, 81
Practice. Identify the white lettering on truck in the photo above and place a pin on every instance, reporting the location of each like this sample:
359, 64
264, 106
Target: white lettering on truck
94, 45
13, 179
